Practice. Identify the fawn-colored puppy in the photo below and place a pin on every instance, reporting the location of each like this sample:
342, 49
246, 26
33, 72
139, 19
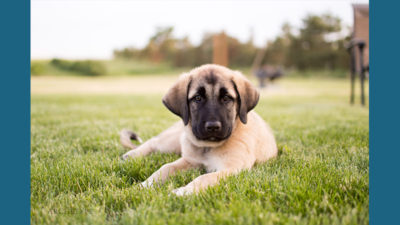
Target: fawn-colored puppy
218, 130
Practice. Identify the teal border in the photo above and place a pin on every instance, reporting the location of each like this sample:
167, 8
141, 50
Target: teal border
15, 112
384, 112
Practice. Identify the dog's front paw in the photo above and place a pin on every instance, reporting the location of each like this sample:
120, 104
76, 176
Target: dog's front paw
146, 184
125, 156
182, 191
129, 155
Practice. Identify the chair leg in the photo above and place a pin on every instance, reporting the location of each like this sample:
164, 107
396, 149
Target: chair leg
352, 74
362, 74
362, 87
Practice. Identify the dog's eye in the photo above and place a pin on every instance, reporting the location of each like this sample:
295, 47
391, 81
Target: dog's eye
197, 98
226, 98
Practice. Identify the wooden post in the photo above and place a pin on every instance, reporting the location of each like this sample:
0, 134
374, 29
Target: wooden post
220, 49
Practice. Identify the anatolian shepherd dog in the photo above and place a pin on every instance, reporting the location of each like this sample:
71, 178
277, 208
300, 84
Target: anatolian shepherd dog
218, 130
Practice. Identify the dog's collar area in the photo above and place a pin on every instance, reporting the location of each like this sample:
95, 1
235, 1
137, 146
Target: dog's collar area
205, 149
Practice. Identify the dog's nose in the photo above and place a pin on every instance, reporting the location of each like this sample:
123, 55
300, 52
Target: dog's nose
213, 126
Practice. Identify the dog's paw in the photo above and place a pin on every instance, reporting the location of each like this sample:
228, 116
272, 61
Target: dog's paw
129, 155
182, 191
146, 184
125, 156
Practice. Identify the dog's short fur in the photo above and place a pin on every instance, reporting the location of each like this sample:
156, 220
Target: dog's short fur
218, 130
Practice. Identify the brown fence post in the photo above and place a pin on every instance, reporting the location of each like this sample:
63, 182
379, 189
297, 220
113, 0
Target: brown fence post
220, 49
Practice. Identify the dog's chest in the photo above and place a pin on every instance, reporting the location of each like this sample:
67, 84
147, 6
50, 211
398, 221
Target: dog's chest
205, 157
213, 163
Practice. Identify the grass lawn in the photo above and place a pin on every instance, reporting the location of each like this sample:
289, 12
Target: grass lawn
77, 177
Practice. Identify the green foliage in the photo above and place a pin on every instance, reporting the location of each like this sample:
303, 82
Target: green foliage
77, 177
119, 67
241, 54
138, 67
163, 47
317, 73
37, 68
85, 67
312, 49
318, 45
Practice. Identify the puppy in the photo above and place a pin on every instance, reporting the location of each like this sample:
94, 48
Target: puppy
218, 130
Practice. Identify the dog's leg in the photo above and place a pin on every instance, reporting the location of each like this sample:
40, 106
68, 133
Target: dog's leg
204, 181
166, 142
167, 170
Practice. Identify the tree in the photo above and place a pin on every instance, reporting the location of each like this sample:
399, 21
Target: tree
312, 49
317, 44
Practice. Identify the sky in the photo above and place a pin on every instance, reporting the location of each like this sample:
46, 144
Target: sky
89, 29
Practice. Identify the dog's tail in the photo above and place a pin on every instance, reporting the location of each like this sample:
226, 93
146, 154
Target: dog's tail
126, 136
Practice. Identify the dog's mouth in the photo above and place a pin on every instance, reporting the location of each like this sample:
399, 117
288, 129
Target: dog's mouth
212, 137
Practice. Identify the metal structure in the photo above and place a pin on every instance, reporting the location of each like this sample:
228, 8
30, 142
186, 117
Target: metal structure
265, 73
359, 48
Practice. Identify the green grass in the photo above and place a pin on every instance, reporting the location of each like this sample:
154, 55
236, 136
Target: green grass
120, 67
320, 176
115, 67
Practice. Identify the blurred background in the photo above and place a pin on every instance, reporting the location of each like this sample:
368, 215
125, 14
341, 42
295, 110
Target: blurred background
100, 66
141, 46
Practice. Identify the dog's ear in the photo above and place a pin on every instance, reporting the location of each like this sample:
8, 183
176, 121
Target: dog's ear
247, 95
176, 98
